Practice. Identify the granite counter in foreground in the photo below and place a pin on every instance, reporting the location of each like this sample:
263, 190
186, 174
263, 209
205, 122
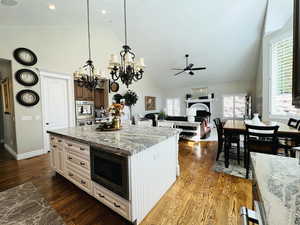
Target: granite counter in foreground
278, 181
129, 140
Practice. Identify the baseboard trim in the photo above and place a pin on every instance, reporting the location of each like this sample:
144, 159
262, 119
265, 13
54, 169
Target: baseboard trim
10, 150
31, 154
25, 155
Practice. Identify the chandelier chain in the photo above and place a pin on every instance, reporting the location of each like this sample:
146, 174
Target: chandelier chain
125, 21
89, 30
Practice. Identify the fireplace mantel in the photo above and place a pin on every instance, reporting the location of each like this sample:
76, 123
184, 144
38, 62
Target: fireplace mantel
199, 100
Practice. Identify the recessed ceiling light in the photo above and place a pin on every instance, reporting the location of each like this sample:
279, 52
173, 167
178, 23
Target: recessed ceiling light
9, 2
52, 7
103, 11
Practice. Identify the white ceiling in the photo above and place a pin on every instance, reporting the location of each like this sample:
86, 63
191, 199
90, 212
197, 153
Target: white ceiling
223, 35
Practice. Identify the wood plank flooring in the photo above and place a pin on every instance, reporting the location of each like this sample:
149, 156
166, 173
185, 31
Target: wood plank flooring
199, 196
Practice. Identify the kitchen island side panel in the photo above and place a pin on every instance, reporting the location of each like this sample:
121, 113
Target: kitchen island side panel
153, 172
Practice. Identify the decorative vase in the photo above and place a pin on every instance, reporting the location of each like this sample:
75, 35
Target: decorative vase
256, 119
116, 121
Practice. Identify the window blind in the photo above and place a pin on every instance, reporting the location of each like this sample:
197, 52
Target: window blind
282, 52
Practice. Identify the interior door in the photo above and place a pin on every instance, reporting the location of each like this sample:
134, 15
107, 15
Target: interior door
55, 106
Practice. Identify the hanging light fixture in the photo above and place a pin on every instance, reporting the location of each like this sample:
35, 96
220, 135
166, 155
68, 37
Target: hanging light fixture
128, 70
88, 76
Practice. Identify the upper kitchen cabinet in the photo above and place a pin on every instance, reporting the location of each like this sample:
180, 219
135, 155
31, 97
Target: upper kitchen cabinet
101, 96
83, 93
296, 61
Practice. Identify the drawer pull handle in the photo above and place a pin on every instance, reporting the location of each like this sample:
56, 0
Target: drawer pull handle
101, 196
83, 182
52, 138
70, 158
116, 205
70, 145
54, 146
59, 140
82, 149
82, 163
71, 174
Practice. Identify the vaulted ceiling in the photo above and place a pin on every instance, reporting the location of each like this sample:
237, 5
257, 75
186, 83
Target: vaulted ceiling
223, 35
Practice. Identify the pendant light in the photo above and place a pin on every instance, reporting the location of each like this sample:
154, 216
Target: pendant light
127, 70
88, 76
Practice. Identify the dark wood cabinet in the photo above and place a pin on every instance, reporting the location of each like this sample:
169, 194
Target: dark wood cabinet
83, 93
99, 96
296, 63
78, 91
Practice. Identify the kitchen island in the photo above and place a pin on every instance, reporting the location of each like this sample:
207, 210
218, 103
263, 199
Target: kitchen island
127, 170
277, 183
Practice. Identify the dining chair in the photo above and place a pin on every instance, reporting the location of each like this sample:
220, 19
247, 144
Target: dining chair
261, 139
288, 143
235, 139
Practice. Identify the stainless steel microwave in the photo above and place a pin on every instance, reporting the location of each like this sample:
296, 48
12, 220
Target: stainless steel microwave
110, 170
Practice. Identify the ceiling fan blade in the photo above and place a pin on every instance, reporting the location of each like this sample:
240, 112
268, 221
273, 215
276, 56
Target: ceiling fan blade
200, 68
179, 73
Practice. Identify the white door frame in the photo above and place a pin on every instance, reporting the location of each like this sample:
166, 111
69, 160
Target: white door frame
71, 100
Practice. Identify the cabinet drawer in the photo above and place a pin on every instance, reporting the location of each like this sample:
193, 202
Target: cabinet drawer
82, 181
56, 146
81, 163
57, 141
116, 203
77, 149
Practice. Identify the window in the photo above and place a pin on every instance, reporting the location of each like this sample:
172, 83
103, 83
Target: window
173, 107
281, 78
234, 106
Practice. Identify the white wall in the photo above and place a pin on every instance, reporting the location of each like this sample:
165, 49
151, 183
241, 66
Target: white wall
220, 89
62, 50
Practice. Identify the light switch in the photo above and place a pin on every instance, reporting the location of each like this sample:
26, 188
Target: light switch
26, 118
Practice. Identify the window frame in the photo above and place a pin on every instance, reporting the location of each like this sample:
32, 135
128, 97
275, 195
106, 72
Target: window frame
275, 38
232, 95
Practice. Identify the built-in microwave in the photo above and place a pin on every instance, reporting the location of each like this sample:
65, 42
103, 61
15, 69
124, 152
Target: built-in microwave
110, 170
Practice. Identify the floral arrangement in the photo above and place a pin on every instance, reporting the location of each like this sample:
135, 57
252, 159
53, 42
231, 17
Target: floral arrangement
116, 110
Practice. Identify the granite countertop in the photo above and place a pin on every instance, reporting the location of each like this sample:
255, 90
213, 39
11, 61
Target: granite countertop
128, 141
278, 180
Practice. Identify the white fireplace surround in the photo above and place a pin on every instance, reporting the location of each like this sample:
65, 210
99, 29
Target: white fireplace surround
198, 105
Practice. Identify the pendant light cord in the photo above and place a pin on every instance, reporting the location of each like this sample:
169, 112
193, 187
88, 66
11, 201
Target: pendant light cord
125, 21
89, 30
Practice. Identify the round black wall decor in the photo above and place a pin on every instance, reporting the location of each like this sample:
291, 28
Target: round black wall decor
25, 56
28, 98
27, 77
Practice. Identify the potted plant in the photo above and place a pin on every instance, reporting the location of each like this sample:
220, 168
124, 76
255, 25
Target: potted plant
131, 99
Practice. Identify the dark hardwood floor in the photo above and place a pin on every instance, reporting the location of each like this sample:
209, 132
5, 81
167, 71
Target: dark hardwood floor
199, 196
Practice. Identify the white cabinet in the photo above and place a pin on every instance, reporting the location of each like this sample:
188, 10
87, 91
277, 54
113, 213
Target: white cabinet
57, 155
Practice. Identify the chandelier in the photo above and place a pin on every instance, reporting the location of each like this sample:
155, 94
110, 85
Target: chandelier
128, 70
87, 76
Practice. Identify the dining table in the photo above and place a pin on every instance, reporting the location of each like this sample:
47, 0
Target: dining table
238, 127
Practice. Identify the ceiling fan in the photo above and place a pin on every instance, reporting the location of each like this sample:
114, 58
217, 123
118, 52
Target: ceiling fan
189, 67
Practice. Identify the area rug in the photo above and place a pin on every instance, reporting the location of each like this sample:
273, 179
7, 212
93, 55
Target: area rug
23, 205
234, 168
